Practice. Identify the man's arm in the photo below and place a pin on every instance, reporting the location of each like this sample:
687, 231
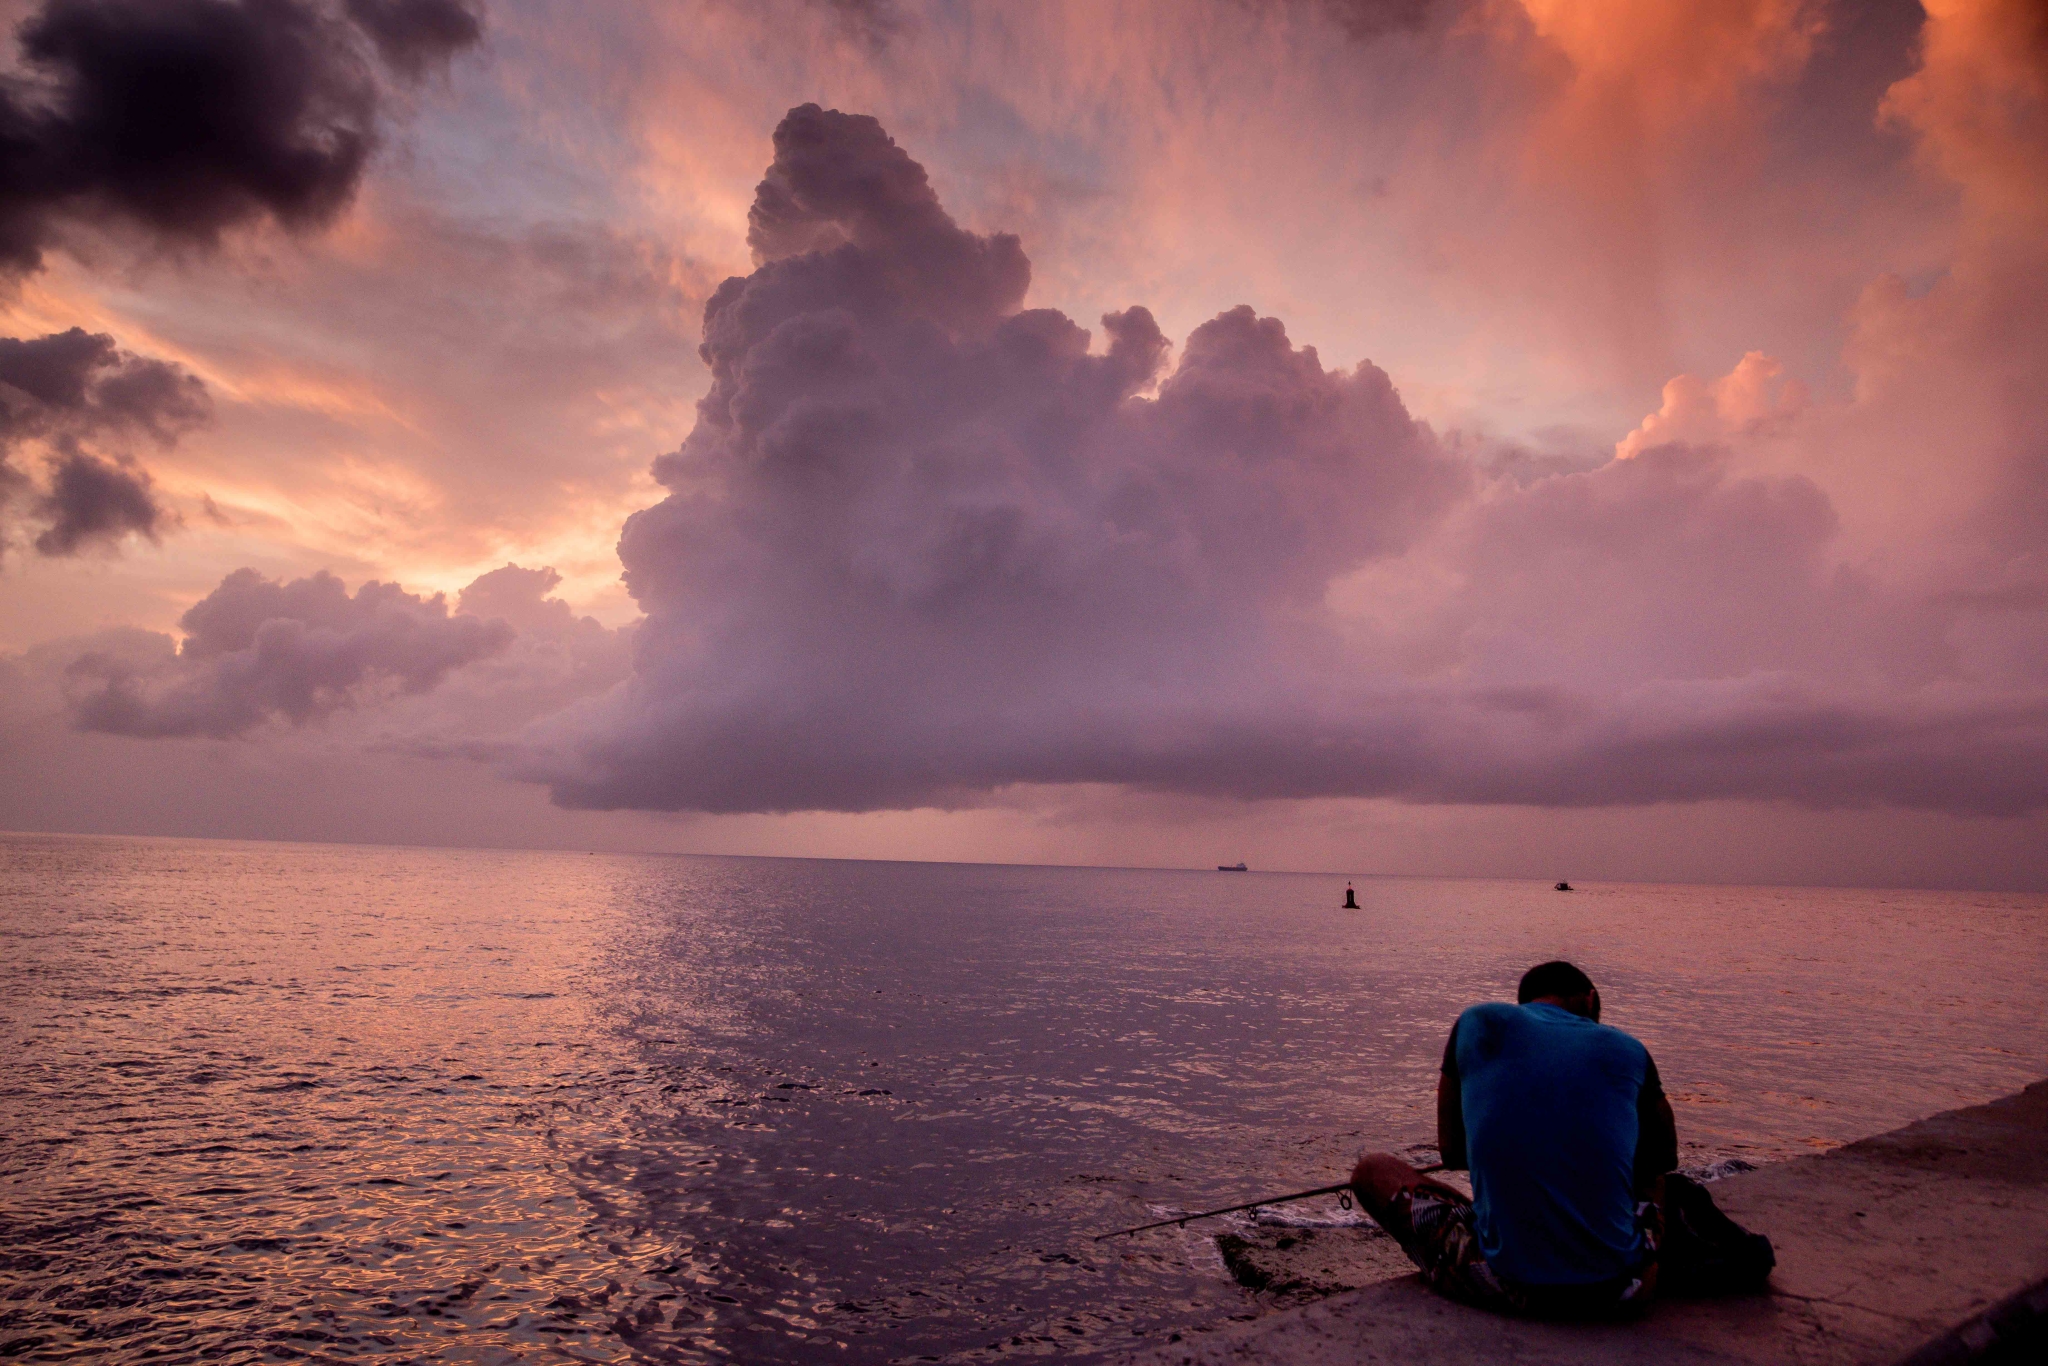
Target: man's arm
1450, 1109
1656, 1130
1450, 1123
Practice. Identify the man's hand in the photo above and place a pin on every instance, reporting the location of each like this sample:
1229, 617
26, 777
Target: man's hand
1379, 1177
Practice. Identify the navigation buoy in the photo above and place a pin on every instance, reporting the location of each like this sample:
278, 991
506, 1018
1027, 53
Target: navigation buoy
1350, 898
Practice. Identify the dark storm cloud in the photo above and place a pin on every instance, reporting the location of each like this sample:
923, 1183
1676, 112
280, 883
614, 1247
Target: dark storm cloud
78, 381
257, 649
181, 118
413, 36
70, 389
92, 499
184, 118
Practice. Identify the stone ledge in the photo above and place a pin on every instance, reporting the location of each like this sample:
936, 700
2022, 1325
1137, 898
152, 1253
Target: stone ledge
1886, 1247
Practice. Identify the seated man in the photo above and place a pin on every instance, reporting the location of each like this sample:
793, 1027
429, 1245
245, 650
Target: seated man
1567, 1133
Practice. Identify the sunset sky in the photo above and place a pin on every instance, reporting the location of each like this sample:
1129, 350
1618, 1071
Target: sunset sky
1544, 438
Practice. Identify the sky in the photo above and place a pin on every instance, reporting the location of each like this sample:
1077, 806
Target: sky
1599, 439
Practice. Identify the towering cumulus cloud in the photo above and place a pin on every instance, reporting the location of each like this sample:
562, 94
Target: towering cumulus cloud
182, 118
922, 543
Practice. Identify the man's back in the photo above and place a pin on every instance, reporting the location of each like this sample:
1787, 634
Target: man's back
1550, 1103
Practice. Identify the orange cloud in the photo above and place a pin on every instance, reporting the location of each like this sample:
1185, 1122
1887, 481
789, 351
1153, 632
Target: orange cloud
1645, 68
1950, 377
1980, 105
1695, 412
1637, 124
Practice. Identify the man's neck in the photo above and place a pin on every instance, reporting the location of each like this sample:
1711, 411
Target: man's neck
1569, 1005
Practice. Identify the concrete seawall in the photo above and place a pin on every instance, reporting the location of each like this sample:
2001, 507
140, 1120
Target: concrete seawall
1924, 1242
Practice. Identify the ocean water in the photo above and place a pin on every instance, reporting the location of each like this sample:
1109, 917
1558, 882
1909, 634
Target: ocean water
270, 1102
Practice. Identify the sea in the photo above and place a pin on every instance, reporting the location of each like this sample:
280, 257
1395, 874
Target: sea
271, 1102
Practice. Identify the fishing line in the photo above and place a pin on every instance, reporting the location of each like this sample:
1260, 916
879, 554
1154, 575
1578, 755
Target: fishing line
1342, 1190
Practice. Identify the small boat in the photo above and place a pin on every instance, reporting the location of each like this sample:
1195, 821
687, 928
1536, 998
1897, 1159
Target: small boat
1232, 868
1564, 886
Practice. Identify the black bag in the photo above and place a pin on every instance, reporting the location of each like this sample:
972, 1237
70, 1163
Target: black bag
1704, 1251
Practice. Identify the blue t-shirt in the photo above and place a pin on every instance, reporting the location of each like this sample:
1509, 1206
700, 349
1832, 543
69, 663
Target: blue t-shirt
1551, 1103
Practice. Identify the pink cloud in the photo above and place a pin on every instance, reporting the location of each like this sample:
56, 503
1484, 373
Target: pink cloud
1754, 395
256, 649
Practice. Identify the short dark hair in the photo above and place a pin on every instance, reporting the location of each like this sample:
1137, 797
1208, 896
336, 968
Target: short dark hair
1556, 978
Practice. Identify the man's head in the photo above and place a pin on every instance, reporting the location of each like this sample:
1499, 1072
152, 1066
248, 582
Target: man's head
1558, 983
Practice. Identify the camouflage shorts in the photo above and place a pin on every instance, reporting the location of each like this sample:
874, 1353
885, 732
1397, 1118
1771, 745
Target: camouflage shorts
1438, 1231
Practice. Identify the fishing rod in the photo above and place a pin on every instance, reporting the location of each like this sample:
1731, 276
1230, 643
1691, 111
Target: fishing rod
1342, 1190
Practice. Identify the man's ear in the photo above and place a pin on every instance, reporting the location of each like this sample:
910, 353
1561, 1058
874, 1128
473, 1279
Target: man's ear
1592, 1010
